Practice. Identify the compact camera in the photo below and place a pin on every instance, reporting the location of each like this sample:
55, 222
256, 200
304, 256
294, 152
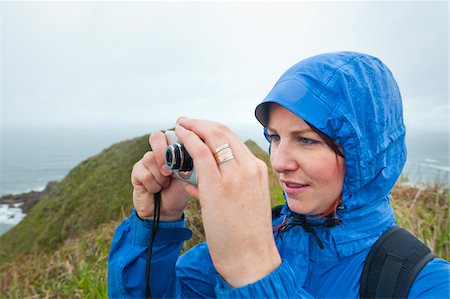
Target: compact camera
178, 160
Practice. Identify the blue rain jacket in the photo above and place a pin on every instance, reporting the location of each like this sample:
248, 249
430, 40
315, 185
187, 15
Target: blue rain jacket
352, 98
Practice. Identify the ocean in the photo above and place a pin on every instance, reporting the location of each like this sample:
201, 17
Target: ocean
31, 157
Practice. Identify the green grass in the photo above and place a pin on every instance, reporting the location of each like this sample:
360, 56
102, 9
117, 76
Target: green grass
97, 191
425, 213
60, 249
78, 269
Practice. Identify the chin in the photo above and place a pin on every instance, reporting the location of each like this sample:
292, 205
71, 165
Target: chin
298, 207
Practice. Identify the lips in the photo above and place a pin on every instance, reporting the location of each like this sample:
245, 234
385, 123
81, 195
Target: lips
294, 185
293, 188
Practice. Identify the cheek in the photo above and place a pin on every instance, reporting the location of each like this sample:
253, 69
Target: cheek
325, 169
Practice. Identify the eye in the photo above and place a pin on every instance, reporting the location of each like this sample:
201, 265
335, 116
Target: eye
307, 141
274, 138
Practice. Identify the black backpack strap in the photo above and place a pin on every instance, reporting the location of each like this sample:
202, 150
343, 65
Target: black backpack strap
392, 265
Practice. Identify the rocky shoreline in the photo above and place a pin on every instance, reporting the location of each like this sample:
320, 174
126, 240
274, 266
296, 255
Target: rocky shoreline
26, 200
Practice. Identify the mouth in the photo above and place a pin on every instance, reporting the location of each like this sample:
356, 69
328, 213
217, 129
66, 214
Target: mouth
293, 188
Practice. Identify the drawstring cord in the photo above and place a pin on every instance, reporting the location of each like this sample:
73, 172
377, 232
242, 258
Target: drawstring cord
300, 220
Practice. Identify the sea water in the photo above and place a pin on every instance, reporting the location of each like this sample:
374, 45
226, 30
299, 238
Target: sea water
33, 156
10, 216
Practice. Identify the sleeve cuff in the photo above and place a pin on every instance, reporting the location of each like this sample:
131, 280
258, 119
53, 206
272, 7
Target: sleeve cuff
278, 284
168, 231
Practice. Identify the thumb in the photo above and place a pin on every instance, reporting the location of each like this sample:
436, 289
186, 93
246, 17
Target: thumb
192, 190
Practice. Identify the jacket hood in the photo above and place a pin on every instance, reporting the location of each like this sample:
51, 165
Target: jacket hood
354, 99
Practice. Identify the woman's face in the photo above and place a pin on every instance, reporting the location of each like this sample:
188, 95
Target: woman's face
310, 173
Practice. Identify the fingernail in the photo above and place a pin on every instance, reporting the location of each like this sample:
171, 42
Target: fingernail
181, 119
165, 170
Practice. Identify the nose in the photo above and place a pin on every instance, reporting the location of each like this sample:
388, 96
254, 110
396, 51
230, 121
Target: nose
282, 158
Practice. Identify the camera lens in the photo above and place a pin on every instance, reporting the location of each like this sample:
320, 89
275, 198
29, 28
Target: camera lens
169, 157
172, 157
177, 158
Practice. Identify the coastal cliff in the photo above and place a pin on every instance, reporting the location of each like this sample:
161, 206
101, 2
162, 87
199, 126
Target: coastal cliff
26, 200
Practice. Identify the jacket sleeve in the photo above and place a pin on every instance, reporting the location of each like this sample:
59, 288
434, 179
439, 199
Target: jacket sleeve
128, 257
433, 281
280, 283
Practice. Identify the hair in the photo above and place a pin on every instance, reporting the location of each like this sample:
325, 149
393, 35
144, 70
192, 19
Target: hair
338, 151
328, 140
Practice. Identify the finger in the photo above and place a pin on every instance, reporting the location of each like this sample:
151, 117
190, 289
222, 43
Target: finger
240, 150
140, 190
140, 176
204, 161
158, 142
215, 135
212, 133
149, 161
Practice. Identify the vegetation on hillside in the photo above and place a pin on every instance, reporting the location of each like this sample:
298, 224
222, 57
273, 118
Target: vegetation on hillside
94, 192
424, 211
60, 249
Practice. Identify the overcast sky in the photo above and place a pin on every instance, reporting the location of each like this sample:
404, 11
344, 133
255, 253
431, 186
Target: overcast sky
144, 62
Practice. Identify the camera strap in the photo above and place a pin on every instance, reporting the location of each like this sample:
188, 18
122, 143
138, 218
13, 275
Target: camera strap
155, 225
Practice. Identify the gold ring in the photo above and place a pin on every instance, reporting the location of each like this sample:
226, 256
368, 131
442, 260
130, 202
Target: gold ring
223, 154
221, 148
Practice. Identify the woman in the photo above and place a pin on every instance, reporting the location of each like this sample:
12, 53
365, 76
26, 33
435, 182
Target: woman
321, 110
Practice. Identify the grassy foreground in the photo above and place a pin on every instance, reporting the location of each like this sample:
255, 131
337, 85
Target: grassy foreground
60, 249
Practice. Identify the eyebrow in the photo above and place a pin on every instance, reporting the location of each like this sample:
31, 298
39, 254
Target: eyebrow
295, 132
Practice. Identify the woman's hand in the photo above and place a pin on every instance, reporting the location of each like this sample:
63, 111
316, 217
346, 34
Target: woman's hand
149, 176
235, 202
